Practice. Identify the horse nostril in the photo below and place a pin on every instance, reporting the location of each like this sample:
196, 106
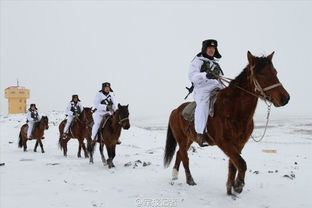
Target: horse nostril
284, 100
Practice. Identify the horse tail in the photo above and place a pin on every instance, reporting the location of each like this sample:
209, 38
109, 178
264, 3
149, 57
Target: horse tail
171, 145
20, 141
60, 142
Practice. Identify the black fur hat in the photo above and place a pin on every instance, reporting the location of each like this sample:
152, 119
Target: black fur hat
210, 43
107, 84
31, 105
75, 96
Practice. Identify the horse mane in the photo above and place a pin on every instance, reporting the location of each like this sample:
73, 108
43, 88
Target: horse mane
240, 78
261, 62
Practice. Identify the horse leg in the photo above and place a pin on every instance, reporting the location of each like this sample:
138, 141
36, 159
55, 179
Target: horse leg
91, 146
231, 177
84, 149
41, 145
185, 161
79, 149
175, 171
25, 145
102, 154
241, 166
111, 155
65, 146
36, 145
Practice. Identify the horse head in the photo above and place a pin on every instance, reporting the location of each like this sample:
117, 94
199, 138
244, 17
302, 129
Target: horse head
265, 80
86, 115
45, 121
123, 116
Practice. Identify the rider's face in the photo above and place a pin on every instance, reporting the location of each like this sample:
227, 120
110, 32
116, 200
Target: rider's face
75, 99
33, 108
211, 51
106, 89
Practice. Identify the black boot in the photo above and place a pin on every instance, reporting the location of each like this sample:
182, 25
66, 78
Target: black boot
64, 135
200, 139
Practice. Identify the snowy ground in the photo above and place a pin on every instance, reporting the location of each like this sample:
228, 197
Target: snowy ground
281, 179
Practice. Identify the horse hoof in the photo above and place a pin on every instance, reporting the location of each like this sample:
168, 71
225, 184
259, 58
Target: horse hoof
42, 151
191, 183
229, 191
35, 150
238, 188
111, 166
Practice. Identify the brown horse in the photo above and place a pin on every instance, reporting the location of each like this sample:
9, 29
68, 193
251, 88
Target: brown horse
232, 124
37, 133
79, 129
110, 134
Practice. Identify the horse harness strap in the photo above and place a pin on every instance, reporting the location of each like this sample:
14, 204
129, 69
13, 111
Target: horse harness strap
122, 120
259, 88
272, 86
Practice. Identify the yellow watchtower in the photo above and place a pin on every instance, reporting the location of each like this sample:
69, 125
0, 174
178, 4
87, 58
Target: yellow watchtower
17, 97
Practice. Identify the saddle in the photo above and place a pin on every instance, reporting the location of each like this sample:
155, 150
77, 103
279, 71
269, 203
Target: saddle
189, 110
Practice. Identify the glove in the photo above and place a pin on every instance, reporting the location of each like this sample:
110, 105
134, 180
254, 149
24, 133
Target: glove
103, 102
210, 75
217, 70
109, 108
72, 109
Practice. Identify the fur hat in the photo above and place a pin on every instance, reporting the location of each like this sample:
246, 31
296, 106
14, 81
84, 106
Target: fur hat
75, 96
107, 84
31, 105
210, 43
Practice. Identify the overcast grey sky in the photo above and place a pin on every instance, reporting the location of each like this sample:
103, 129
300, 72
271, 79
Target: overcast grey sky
58, 48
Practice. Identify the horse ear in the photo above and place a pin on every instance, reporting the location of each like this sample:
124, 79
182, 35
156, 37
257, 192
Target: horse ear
271, 56
250, 57
127, 105
119, 106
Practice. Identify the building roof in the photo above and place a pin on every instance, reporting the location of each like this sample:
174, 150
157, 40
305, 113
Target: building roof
16, 87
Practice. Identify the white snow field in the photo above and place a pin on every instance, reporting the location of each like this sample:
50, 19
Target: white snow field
279, 177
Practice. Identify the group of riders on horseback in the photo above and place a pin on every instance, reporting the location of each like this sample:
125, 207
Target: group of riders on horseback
203, 70
104, 106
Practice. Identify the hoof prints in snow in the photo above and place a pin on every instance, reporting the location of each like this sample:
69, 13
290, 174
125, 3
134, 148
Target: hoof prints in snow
137, 163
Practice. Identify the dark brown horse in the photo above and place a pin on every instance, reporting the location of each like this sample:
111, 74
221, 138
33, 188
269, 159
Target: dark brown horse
232, 124
37, 133
110, 134
79, 129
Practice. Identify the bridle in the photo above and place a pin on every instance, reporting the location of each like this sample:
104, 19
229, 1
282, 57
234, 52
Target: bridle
261, 90
122, 119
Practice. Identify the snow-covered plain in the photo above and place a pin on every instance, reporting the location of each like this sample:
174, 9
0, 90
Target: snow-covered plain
32, 179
